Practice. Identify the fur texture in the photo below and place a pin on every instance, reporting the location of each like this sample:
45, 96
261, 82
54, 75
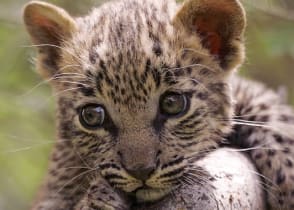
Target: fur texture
124, 56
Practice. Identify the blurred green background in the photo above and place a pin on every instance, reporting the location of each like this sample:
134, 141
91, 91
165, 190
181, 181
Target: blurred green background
27, 113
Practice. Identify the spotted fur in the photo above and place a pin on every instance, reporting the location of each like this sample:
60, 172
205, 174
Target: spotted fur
124, 56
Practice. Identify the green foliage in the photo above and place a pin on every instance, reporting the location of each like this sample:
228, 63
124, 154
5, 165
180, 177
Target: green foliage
26, 120
27, 112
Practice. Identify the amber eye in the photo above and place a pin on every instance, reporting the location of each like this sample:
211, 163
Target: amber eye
92, 116
172, 103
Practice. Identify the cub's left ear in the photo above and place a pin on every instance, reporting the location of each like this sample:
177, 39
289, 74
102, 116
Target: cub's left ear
219, 24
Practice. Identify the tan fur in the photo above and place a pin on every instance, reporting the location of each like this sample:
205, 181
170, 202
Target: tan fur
123, 57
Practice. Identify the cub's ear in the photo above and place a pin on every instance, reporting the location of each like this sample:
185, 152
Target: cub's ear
48, 27
219, 24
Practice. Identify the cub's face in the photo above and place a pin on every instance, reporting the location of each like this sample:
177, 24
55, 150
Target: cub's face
141, 86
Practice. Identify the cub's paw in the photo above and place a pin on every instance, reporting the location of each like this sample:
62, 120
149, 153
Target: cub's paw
101, 196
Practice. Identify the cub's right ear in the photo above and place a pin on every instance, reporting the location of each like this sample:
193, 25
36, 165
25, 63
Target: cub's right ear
48, 27
220, 25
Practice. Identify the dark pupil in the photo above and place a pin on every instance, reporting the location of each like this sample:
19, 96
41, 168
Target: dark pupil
173, 104
93, 116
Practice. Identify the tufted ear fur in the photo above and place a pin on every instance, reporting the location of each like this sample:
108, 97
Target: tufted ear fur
48, 27
220, 25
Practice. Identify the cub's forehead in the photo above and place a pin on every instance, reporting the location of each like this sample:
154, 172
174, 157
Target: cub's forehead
126, 30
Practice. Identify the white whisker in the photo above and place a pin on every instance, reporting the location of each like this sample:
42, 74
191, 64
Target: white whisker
189, 66
72, 82
251, 124
64, 91
69, 66
52, 45
74, 178
56, 76
195, 51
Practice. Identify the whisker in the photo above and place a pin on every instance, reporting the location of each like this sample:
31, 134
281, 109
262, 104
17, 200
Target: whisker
198, 176
25, 148
57, 76
74, 178
52, 45
241, 120
247, 121
196, 51
247, 115
76, 167
69, 66
83, 161
72, 82
17, 150
190, 181
190, 66
251, 124
33, 146
64, 91
277, 188
255, 148
262, 184
69, 73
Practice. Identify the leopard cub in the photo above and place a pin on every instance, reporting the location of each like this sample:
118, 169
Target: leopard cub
145, 88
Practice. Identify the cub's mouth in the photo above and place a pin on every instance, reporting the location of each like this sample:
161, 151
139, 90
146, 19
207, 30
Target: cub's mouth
149, 194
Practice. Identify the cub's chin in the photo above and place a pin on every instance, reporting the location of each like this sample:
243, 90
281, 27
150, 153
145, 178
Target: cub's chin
150, 194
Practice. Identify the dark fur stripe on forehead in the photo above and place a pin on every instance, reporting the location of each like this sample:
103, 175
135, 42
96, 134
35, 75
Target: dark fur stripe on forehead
87, 91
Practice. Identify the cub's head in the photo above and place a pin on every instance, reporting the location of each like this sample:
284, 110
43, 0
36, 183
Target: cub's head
142, 86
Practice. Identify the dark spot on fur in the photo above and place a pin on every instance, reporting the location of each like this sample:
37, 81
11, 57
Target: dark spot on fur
278, 138
269, 163
271, 152
204, 71
287, 118
264, 118
289, 163
93, 56
231, 199
123, 91
179, 72
93, 189
157, 77
189, 70
286, 150
204, 197
157, 48
196, 60
280, 177
255, 142
258, 156
102, 65
184, 54
263, 106
86, 91
169, 78
202, 95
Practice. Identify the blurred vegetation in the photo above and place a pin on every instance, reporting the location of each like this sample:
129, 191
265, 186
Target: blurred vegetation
27, 113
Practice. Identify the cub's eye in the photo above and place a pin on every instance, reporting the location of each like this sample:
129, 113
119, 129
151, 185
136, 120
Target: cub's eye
172, 103
92, 116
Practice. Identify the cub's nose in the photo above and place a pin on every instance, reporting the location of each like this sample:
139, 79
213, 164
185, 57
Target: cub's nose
141, 172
